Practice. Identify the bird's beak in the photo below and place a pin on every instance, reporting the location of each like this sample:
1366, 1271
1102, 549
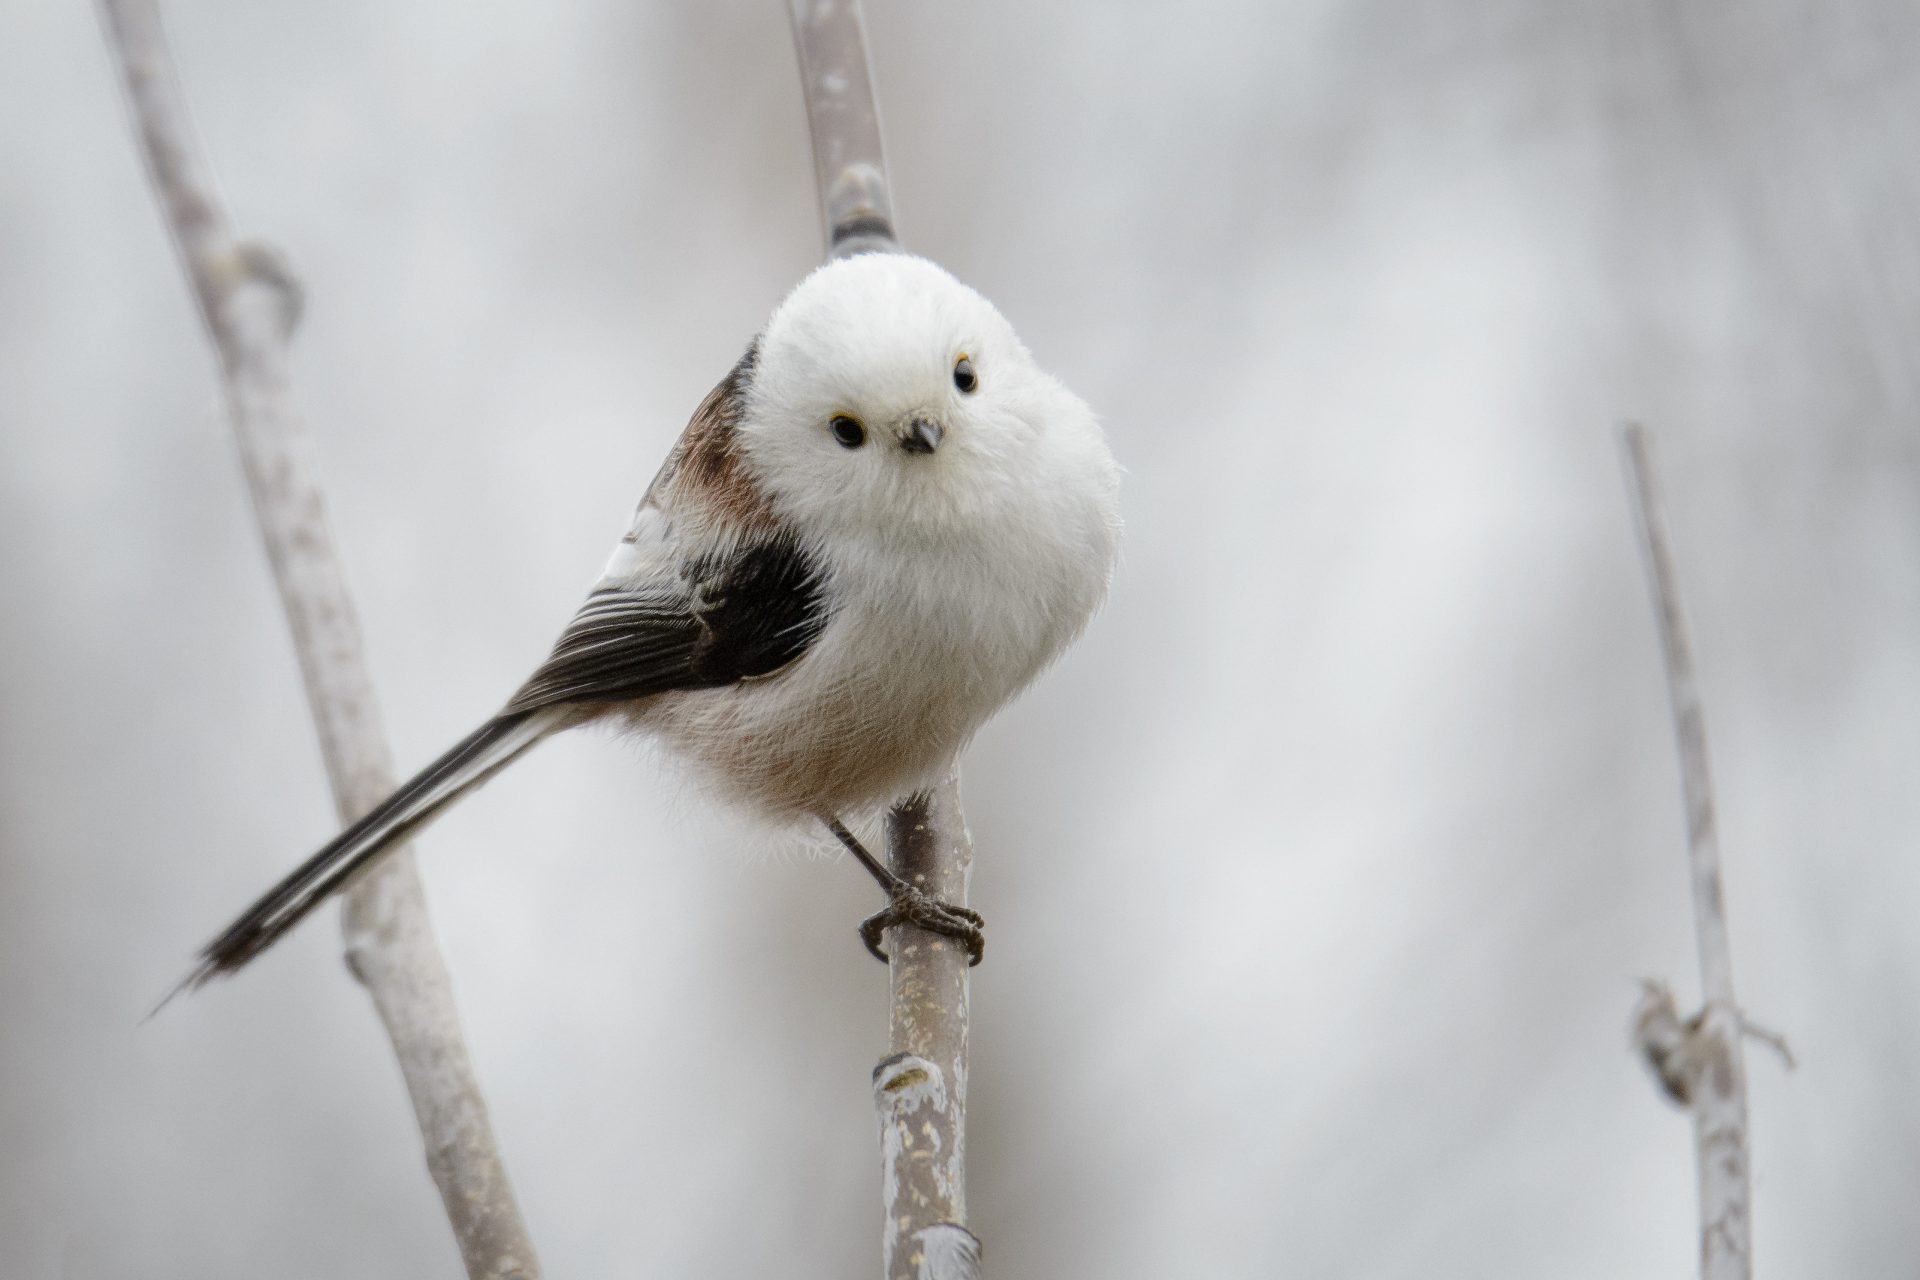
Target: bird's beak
921, 435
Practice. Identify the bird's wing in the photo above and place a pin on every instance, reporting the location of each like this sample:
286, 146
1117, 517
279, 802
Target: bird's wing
696, 623
625, 642
706, 588
674, 610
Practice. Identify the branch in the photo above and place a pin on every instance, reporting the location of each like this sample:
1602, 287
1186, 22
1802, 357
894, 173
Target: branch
249, 302
849, 167
920, 1089
1698, 1062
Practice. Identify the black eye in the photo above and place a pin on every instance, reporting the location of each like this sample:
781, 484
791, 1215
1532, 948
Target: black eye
963, 375
848, 431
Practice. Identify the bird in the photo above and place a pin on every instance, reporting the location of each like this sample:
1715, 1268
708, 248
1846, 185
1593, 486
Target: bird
878, 528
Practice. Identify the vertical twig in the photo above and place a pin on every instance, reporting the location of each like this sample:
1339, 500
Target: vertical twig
250, 303
843, 119
1699, 1061
920, 1089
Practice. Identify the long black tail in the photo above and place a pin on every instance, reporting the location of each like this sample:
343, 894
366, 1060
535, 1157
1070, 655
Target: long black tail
417, 802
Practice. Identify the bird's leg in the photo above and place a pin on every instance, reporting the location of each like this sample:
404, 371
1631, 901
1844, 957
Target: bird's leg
909, 905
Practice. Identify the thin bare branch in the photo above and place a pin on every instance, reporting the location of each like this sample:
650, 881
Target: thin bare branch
1699, 1062
849, 167
250, 303
920, 1089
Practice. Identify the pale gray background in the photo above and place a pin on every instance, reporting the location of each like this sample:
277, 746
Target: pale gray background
1320, 874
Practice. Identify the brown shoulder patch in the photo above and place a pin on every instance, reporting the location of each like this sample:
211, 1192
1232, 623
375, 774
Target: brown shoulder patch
706, 459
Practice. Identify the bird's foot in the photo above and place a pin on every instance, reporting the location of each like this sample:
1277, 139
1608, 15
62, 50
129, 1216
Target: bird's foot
911, 906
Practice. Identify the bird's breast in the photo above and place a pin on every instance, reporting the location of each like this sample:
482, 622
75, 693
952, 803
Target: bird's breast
922, 644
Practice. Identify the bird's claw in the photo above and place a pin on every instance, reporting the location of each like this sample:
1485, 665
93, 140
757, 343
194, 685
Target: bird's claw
910, 906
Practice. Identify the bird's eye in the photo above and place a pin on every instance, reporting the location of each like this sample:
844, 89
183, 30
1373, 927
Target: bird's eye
848, 431
964, 376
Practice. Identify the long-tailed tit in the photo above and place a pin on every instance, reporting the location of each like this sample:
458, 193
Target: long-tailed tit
878, 528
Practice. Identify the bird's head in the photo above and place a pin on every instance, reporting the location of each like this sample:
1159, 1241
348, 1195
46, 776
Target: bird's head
888, 399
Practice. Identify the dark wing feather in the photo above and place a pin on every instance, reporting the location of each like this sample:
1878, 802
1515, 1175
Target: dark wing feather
759, 609
622, 644
725, 618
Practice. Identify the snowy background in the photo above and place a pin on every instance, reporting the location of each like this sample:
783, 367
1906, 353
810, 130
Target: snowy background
1320, 874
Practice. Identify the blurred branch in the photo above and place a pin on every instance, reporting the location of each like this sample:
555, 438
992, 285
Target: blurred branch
849, 167
1697, 1061
920, 1089
250, 303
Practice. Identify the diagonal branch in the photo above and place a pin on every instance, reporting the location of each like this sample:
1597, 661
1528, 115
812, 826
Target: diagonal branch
1698, 1061
920, 1089
249, 302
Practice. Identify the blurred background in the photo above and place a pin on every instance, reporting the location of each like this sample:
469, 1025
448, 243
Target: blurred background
1321, 873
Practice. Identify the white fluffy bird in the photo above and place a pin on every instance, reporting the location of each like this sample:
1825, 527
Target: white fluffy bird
879, 527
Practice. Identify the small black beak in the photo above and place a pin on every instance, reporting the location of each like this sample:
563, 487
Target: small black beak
921, 436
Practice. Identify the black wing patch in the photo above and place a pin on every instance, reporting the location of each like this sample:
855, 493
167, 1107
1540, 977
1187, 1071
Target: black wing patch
730, 618
761, 607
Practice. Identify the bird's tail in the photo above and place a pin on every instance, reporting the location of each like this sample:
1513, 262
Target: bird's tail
413, 805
